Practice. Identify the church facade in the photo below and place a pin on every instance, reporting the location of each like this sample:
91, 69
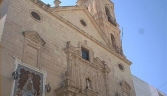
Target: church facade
62, 50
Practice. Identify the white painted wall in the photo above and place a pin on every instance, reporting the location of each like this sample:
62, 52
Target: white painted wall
153, 90
141, 87
144, 89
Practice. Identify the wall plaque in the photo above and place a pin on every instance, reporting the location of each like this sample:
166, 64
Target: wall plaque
30, 81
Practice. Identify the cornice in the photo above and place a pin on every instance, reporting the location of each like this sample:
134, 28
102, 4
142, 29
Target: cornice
41, 4
49, 10
65, 89
33, 35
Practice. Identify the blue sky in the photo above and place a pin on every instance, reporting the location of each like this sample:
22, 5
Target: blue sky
144, 40
144, 24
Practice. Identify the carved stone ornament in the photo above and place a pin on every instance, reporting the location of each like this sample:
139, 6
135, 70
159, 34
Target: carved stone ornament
34, 36
73, 84
125, 87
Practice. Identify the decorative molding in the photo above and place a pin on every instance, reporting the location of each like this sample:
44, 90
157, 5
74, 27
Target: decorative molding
67, 90
95, 63
41, 4
125, 87
90, 92
34, 36
38, 13
108, 47
89, 16
84, 45
32, 42
73, 85
50, 11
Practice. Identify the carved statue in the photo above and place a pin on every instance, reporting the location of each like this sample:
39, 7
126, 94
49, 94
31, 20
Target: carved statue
88, 83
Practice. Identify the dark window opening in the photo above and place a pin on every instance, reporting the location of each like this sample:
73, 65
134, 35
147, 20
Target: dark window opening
85, 53
83, 22
107, 11
113, 40
109, 17
120, 67
36, 15
108, 14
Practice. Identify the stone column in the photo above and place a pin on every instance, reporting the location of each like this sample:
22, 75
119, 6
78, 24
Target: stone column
106, 78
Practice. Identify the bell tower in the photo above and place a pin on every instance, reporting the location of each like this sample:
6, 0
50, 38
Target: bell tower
103, 13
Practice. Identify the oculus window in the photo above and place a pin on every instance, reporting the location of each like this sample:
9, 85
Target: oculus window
83, 22
121, 67
35, 15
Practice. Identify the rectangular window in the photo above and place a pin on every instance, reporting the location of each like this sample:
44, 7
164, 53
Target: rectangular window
85, 53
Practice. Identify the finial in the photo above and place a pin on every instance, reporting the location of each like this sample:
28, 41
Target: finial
57, 3
80, 2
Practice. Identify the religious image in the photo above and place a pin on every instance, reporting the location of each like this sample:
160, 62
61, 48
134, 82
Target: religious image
29, 82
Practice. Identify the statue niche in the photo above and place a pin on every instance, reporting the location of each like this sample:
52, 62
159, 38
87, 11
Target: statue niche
88, 84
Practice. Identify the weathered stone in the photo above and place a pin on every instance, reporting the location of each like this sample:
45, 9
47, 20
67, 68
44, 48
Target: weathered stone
54, 44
